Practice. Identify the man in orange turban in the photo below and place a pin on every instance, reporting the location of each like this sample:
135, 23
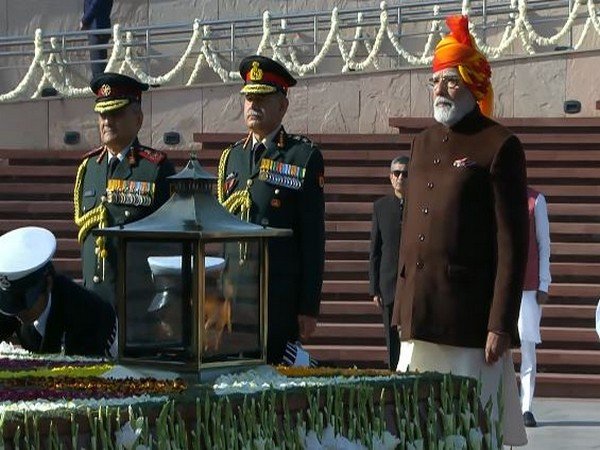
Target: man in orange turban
464, 239
458, 51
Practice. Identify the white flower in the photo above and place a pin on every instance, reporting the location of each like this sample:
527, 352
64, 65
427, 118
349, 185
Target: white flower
415, 445
11, 351
386, 442
311, 441
259, 444
328, 439
265, 378
475, 438
455, 442
331, 441
58, 407
127, 436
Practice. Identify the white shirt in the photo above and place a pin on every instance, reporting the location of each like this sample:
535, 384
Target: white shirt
121, 155
598, 319
40, 323
269, 137
542, 235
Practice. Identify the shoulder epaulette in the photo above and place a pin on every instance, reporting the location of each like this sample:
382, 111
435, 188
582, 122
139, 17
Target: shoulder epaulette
154, 156
229, 147
302, 139
235, 144
94, 152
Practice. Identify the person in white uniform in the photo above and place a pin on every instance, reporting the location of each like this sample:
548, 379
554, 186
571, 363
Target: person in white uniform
46, 311
535, 294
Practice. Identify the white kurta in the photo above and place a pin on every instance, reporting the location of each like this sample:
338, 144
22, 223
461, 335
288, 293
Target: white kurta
470, 362
598, 319
530, 313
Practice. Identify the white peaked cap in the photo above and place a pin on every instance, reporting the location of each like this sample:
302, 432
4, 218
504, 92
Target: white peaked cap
25, 250
171, 265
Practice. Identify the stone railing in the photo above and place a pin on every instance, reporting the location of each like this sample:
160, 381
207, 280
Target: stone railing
361, 40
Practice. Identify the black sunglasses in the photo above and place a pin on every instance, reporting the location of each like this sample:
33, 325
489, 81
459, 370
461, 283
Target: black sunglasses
397, 173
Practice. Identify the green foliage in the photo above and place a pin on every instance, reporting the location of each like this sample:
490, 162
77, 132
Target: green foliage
359, 412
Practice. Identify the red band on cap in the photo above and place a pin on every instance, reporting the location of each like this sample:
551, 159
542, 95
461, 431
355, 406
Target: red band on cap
271, 78
107, 90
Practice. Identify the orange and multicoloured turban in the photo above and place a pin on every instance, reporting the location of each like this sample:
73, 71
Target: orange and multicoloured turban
458, 49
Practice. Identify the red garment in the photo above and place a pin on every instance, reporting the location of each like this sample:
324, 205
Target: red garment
532, 275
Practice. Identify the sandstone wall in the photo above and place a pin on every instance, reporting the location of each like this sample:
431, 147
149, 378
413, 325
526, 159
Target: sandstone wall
351, 103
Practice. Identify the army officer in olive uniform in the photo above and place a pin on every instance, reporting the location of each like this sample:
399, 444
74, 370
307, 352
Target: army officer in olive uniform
119, 182
280, 177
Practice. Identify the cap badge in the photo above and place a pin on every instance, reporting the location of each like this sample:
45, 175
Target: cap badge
256, 73
105, 90
4, 282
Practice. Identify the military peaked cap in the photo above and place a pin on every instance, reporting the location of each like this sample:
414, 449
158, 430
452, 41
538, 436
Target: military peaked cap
25, 255
115, 91
262, 75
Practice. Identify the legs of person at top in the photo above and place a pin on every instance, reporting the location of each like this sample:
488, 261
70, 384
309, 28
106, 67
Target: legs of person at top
528, 372
98, 54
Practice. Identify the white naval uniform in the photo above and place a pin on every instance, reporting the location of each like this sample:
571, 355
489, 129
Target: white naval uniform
470, 362
530, 313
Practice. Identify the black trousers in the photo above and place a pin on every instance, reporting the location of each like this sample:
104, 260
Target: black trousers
98, 54
392, 338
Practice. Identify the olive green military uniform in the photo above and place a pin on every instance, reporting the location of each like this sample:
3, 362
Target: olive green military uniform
286, 191
137, 187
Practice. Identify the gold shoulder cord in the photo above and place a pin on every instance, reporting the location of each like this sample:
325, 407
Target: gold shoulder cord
239, 201
94, 217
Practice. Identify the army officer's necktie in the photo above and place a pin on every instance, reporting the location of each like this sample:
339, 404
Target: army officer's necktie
112, 165
257, 152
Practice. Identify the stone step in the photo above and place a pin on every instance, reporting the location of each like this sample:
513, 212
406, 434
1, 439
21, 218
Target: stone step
563, 162
355, 332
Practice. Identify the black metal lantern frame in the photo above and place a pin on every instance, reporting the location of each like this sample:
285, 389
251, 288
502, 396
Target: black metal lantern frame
173, 314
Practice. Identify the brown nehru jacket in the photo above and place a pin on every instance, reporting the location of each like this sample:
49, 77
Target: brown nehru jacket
464, 238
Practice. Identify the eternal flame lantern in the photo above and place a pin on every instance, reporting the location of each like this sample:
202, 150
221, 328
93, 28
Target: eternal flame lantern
192, 283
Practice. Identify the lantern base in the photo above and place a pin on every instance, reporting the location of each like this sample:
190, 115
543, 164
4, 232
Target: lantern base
208, 373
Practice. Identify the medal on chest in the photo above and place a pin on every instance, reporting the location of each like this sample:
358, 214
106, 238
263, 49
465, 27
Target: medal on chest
281, 174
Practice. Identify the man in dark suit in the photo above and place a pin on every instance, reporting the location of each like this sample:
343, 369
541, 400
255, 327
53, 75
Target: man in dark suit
119, 182
96, 16
46, 310
464, 238
383, 260
276, 179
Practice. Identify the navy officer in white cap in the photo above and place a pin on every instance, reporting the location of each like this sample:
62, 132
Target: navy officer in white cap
48, 312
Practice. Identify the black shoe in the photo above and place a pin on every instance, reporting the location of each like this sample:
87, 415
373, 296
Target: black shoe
529, 420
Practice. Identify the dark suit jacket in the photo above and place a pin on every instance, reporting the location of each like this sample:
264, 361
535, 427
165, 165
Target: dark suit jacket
464, 237
84, 319
143, 165
386, 228
96, 14
295, 263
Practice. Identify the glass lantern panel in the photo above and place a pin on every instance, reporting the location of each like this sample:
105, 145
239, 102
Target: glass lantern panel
232, 325
158, 300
